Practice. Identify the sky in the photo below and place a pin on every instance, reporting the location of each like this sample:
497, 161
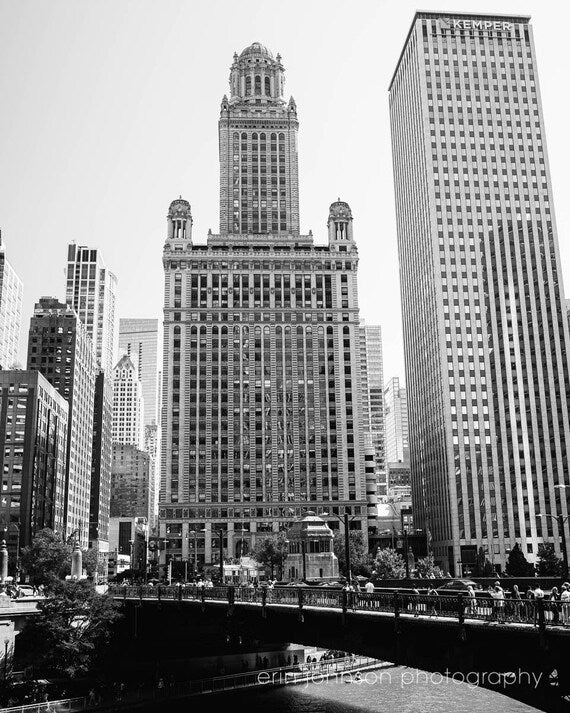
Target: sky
109, 111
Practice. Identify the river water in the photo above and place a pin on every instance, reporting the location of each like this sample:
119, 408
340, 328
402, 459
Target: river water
388, 690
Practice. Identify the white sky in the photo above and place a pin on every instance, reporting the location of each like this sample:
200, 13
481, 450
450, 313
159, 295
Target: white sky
109, 110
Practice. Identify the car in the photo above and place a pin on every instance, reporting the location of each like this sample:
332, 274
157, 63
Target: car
25, 590
459, 586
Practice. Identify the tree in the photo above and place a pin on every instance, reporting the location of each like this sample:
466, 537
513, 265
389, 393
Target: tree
548, 565
271, 552
47, 559
426, 567
360, 561
517, 563
94, 562
71, 629
484, 567
389, 564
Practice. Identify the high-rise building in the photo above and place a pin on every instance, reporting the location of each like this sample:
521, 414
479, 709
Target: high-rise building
485, 332
140, 339
261, 402
101, 466
151, 446
128, 407
11, 293
60, 348
396, 422
131, 486
372, 374
33, 445
91, 289
92, 292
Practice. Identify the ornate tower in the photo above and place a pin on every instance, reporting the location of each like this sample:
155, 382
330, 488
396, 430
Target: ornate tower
259, 188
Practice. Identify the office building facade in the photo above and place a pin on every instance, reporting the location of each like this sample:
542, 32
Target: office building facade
396, 421
485, 332
60, 348
141, 340
131, 486
261, 373
101, 466
372, 375
33, 445
11, 294
128, 405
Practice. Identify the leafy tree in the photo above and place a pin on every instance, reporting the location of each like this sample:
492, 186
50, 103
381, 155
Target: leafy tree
484, 567
93, 562
426, 567
548, 565
47, 559
360, 561
389, 564
271, 552
71, 629
517, 563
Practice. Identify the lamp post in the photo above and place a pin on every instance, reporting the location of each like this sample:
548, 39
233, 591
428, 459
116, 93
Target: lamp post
346, 520
304, 554
220, 534
560, 521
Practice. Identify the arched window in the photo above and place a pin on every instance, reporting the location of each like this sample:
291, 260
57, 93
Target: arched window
248, 86
254, 137
257, 84
267, 86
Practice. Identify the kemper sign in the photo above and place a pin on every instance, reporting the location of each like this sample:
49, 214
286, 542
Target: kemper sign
482, 25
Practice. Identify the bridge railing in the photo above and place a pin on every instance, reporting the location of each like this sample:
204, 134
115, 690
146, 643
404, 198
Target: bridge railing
540, 612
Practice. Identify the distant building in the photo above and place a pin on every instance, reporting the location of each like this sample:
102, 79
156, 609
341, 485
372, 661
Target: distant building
128, 537
396, 421
33, 446
140, 339
128, 407
132, 489
310, 552
60, 348
372, 379
11, 293
92, 292
151, 446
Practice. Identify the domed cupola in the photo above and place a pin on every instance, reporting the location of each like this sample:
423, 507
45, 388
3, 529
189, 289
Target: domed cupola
256, 76
179, 220
340, 222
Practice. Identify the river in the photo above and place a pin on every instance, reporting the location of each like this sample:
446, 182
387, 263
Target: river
389, 690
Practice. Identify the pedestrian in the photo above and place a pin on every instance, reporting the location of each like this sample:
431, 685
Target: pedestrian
516, 603
432, 599
538, 602
554, 599
565, 603
415, 596
369, 587
498, 595
472, 599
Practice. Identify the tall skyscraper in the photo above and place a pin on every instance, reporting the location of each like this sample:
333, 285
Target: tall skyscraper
485, 331
92, 292
60, 348
261, 398
33, 445
140, 339
128, 407
372, 374
11, 293
396, 422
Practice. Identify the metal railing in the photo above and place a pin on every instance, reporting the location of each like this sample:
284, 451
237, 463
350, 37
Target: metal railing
539, 612
125, 696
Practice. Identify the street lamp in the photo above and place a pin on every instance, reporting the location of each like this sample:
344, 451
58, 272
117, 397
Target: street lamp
560, 520
220, 534
195, 534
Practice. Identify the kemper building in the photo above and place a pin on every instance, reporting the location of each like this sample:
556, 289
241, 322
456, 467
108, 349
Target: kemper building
261, 390
485, 332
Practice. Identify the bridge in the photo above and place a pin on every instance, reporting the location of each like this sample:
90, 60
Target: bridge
520, 648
